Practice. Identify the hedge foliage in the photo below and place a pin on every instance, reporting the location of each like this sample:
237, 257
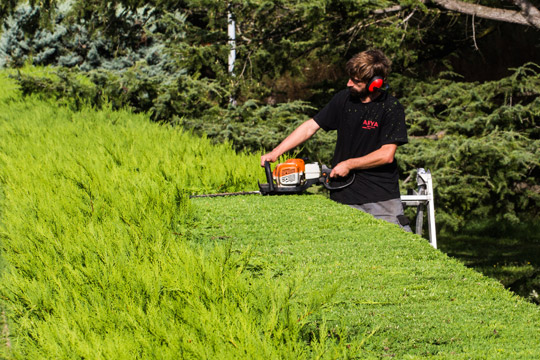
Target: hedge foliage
385, 293
93, 237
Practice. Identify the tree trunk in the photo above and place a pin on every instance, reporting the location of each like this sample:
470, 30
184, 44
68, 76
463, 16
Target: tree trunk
529, 15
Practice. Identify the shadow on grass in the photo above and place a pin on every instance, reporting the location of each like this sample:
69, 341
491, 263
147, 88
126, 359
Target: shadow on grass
506, 252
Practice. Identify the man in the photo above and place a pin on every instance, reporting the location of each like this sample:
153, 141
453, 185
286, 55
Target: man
370, 124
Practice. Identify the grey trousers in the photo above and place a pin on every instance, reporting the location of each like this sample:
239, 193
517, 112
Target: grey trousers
389, 210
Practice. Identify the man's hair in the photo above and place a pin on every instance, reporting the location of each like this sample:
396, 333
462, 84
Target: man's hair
367, 64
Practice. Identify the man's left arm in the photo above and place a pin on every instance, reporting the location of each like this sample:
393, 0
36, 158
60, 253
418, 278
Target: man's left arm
382, 156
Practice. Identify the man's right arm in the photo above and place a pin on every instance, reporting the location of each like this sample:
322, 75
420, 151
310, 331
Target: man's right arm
297, 137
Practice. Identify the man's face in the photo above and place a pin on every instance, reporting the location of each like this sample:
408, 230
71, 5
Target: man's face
358, 88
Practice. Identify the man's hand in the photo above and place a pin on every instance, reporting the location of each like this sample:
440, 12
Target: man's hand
341, 170
384, 155
270, 157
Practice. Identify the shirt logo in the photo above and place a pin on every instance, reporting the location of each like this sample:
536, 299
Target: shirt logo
368, 124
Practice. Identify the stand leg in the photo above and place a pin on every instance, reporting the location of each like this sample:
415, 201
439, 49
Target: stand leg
419, 219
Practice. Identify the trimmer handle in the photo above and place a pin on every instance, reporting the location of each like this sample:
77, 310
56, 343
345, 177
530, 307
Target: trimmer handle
325, 179
269, 176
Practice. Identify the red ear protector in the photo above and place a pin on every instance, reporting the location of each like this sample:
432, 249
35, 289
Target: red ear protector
375, 84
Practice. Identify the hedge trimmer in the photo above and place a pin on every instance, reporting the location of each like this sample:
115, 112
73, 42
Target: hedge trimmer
292, 177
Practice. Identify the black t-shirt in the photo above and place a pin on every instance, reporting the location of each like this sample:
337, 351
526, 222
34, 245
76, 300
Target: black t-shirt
363, 128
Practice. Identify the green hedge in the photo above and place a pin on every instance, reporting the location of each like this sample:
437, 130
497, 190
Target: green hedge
104, 256
380, 292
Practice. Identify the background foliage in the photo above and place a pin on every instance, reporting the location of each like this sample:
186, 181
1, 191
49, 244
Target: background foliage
482, 143
170, 59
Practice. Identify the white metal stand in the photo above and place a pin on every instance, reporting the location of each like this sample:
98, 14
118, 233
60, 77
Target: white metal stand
421, 199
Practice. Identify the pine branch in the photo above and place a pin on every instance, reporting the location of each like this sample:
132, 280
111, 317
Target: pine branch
528, 15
